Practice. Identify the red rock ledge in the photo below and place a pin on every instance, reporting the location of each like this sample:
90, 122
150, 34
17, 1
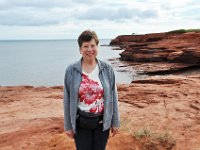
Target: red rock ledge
164, 52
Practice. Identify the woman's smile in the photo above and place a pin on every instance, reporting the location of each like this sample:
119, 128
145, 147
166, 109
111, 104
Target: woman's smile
89, 54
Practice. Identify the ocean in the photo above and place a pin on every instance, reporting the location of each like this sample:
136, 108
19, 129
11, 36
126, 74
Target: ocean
43, 62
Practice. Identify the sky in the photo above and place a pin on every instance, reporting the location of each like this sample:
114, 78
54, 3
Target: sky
66, 19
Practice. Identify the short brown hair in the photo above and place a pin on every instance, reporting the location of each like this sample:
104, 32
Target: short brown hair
87, 36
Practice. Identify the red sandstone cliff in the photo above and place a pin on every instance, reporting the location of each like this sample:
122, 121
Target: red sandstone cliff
175, 50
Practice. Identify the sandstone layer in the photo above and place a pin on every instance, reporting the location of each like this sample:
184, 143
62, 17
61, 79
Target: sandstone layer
162, 52
32, 117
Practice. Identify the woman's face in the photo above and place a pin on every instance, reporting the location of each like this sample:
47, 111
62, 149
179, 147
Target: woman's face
89, 50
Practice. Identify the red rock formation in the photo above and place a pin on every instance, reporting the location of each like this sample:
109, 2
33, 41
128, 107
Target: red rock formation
183, 49
32, 117
169, 104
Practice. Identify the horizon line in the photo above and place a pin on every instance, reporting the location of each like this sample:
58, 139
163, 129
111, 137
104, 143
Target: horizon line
44, 39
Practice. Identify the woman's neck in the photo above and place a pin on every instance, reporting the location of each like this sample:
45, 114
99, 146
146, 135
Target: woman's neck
88, 65
92, 62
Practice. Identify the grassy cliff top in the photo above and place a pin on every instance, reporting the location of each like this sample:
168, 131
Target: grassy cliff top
184, 30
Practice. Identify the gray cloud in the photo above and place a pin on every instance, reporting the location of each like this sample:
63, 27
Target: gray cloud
85, 1
148, 14
8, 4
29, 17
36, 12
51, 12
34, 3
38, 16
17, 17
102, 13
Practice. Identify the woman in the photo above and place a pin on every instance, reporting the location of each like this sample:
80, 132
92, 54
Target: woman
90, 97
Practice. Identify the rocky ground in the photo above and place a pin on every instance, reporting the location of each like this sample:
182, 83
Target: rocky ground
156, 113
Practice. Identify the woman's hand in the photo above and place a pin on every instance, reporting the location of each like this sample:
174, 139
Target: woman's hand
114, 130
70, 133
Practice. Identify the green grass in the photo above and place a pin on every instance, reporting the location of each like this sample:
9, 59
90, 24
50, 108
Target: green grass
184, 30
148, 139
154, 140
144, 132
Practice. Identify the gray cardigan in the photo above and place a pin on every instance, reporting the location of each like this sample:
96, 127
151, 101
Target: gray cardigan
71, 87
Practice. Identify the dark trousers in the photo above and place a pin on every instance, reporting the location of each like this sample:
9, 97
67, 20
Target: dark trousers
95, 139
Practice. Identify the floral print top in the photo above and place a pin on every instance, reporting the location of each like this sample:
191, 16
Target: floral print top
91, 93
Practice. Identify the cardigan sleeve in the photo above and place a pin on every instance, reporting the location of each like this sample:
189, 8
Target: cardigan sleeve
66, 100
116, 117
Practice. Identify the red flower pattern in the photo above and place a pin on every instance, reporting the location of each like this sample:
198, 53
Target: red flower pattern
91, 94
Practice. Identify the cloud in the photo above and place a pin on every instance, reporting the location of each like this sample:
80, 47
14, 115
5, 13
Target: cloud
9, 4
29, 17
55, 18
121, 13
39, 13
85, 1
50, 12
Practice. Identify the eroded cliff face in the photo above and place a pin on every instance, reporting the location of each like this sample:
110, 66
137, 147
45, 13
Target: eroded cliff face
176, 50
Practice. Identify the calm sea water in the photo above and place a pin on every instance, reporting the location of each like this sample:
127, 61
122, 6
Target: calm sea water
43, 62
